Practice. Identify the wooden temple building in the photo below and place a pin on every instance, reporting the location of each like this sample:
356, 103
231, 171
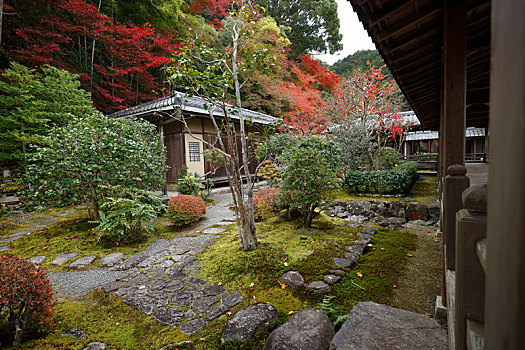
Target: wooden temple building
461, 63
185, 146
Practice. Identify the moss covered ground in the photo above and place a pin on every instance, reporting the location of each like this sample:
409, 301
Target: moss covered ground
399, 269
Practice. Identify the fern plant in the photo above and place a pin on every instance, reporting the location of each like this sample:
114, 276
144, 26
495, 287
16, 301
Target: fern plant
327, 305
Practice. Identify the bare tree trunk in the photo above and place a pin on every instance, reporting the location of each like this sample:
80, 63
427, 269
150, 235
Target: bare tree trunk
247, 216
1, 17
20, 326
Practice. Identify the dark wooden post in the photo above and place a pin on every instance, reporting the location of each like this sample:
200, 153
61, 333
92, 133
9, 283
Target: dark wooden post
505, 299
165, 185
452, 120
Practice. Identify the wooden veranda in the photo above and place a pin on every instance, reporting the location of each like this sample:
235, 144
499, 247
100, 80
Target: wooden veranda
462, 63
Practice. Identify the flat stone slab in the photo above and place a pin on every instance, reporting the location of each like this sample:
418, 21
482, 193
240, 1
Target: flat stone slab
213, 230
83, 262
4, 248
331, 279
37, 259
307, 329
338, 272
193, 326
319, 286
225, 223
370, 230
64, 257
95, 346
169, 315
292, 279
132, 261
111, 259
248, 321
374, 326
343, 262
231, 299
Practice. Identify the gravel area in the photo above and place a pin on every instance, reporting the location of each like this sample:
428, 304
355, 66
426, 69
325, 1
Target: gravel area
67, 285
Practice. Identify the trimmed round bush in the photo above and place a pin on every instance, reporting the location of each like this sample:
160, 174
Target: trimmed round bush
25, 298
185, 209
266, 203
387, 157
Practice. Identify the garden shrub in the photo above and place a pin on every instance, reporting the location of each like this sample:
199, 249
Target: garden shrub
398, 180
25, 298
269, 172
192, 185
185, 209
386, 158
307, 181
266, 203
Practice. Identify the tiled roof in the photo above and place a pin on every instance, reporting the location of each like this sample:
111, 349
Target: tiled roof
434, 135
188, 104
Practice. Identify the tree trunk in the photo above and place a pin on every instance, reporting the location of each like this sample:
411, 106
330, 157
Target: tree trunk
1, 17
20, 326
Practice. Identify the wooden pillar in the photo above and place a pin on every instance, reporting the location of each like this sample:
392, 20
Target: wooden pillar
505, 298
165, 185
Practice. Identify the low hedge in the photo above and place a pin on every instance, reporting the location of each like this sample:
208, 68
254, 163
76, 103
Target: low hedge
398, 180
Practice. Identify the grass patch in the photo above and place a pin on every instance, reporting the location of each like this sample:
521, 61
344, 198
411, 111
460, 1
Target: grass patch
425, 190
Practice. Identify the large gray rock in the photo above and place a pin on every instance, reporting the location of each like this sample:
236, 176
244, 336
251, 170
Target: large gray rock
373, 326
111, 259
307, 329
83, 261
319, 286
76, 333
393, 221
62, 258
359, 219
434, 211
95, 346
248, 321
416, 211
344, 263
292, 279
396, 208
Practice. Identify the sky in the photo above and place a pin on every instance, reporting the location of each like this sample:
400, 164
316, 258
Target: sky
355, 36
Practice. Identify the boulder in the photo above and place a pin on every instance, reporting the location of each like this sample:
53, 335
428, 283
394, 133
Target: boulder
434, 210
95, 346
359, 219
248, 321
396, 209
307, 329
416, 211
374, 326
292, 279
319, 286
393, 221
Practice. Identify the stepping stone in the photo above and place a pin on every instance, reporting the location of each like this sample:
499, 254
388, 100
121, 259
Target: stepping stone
151, 261
83, 262
111, 259
132, 261
174, 286
181, 299
343, 262
62, 258
37, 259
169, 315
142, 303
216, 311
370, 230
64, 213
248, 321
112, 286
338, 272
374, 326
365, 238
203, 304
76, 333
213, 289
192, 327
231, 299
213, 230
307, 329
331, 279
4, 248
190, 315
95, 346
292, 279
225, 223
319, 286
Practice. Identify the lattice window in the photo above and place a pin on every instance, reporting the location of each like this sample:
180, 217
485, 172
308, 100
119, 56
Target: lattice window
195, 152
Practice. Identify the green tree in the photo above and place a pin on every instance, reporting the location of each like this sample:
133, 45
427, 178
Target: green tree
31, 102
312, 25
360, 59
218, 73
85, 159
307, 181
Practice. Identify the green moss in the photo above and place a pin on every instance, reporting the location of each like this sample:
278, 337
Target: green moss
77, 235
425, 190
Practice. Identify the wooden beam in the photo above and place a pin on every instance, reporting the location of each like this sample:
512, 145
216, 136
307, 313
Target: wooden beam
505, 302
412, 20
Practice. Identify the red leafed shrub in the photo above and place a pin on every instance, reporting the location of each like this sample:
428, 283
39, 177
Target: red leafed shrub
25, 298
185, 209
266, 203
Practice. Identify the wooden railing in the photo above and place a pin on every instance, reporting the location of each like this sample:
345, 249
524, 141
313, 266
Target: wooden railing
464, 226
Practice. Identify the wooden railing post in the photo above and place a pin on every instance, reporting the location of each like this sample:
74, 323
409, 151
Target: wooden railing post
456, 182
471, 228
